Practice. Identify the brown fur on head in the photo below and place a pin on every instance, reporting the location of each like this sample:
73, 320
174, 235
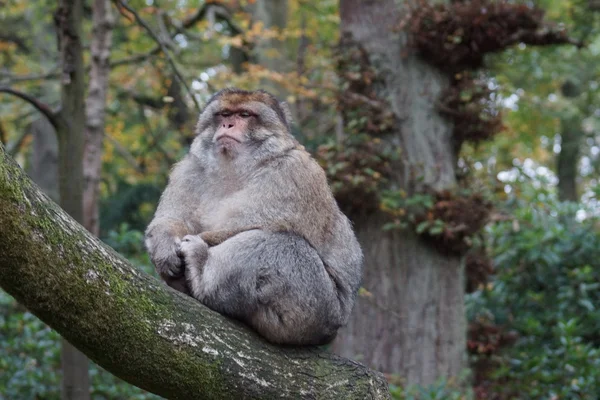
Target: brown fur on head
234, 98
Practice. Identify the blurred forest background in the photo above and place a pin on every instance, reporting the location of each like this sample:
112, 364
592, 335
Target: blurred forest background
464, 143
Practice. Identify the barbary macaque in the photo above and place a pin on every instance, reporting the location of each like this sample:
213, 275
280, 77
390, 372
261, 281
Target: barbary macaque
249, 227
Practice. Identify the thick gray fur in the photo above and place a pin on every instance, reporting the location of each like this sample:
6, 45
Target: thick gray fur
291, 265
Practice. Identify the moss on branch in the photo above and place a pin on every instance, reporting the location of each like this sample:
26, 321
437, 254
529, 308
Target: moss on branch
139, 329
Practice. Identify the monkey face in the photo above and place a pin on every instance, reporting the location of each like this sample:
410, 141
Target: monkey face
237, 122
233, 128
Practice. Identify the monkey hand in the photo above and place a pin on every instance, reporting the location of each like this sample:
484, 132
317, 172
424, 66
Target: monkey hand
164, 254
194, 252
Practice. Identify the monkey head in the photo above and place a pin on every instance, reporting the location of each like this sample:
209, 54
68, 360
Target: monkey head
242, 124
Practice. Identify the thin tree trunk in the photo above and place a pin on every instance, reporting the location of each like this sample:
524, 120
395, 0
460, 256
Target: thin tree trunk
75, 384
141, 330
95, 108
413, 322
43, 165
270, 53
568, 159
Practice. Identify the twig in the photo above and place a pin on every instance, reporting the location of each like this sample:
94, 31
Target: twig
14, 147
135, 58
125, 153
52, 116
23, 78
219, 10
164, 49
155, 139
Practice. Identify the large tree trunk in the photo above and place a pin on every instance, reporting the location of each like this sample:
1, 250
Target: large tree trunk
141, 330
414, 322
70, 142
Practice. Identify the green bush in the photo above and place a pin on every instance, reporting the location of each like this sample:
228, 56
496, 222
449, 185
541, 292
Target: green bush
546, 289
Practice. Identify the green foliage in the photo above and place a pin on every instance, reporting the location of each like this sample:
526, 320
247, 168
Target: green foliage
130, 243
451, 219
30, 350
131, 203
546, 290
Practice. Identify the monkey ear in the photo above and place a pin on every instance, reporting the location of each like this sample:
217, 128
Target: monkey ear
287, 113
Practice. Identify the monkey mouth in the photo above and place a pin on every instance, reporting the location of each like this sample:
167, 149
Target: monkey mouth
227, 138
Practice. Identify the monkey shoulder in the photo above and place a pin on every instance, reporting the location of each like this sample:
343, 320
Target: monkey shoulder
297, 170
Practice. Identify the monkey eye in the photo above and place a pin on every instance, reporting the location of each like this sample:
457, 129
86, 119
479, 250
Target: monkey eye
245, 114
224, 114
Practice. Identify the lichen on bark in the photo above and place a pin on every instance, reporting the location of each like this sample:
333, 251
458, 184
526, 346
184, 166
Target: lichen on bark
142, 331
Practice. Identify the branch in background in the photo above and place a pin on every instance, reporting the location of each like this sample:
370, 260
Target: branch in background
135, 58
212, 10
127, 156
13, 148
12, 78
155, 102
163, 47
198, 16
52, 116
154, 137
543, 37
165, 36
219, 11
12, 38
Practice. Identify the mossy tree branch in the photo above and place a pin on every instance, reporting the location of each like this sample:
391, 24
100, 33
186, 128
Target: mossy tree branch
141, 330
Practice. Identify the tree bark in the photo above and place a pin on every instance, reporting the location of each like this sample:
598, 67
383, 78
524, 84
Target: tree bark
103, 22
270, 52
571, 135
43, 165
139, 329
568, 158
68, 17
413, 321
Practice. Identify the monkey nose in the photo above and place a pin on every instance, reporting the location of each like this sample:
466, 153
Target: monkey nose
227, 126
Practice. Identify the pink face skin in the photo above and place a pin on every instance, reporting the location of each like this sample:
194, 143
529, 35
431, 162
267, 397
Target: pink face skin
231, 132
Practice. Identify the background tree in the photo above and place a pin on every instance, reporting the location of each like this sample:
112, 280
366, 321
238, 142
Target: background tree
416, 314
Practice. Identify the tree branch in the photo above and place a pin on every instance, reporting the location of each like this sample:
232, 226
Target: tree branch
13, 148
141, 330
135, 58
163, 48
155, 139
53, 117
12, 78
218, 10
127, 156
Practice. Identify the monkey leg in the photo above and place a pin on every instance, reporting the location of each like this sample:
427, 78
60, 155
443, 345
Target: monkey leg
275, 282
179, 284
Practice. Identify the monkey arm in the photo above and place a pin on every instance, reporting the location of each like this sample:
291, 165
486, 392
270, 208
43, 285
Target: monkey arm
174, 214
173, 220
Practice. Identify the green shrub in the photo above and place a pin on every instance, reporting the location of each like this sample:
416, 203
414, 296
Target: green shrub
546, 289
